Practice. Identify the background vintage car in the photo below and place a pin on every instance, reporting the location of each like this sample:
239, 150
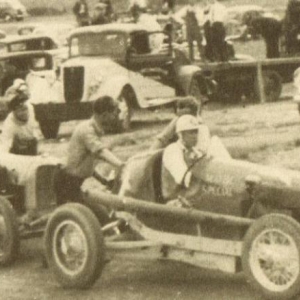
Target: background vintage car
124, 61
12, 10
19, 64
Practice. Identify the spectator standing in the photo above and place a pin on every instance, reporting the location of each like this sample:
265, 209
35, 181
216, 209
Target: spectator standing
99, 17
291, 26
81, 12
109, 11
168, 6
188, 17
270, 29
214, 29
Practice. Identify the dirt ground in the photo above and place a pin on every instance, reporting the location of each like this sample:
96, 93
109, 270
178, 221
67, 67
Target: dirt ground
262, 133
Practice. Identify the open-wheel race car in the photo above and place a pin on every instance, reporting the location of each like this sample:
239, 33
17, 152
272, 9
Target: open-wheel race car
27, 197
236, 216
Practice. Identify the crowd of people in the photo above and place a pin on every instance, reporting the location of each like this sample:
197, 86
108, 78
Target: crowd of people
211, 47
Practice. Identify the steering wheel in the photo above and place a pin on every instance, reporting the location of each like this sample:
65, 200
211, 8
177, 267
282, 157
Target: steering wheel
191, 167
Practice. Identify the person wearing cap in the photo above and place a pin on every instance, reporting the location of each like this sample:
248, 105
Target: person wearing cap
86, 149
184, 106
19, 132
184, 153
99, 17
19, 86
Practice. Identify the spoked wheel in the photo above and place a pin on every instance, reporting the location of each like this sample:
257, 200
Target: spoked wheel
74, 246
9, 234
271, 256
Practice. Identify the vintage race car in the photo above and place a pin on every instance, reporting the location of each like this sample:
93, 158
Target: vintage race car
27, 197
236, 216
137, 68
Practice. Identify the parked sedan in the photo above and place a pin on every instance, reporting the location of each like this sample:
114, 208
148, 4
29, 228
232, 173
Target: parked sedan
124, 61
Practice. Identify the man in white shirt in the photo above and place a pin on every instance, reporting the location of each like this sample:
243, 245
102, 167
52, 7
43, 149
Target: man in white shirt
19, 132
215, 33
179, 157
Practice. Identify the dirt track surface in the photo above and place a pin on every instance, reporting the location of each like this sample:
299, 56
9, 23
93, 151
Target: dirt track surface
263, 133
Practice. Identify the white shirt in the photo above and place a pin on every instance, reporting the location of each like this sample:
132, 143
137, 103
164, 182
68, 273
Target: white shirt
12, 128
217, 13
174, 162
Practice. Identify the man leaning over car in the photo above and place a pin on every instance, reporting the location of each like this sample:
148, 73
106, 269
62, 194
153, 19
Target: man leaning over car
86, 149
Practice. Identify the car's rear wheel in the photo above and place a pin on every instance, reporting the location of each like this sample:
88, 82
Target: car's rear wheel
271, 256
49, 128
272, 83
9, 234
74, 246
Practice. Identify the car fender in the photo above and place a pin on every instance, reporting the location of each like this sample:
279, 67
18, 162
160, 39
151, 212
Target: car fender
185, 76
114, 86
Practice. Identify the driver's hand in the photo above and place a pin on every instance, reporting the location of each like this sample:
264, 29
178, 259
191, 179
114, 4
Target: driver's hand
187, 179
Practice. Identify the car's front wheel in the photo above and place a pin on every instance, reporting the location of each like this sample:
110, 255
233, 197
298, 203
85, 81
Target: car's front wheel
74, 246
9, 234
271, 256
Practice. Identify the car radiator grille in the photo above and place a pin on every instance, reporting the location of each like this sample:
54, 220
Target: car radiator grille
73, 84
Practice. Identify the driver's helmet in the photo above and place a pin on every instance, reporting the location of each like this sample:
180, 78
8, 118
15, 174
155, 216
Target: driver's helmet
186, 123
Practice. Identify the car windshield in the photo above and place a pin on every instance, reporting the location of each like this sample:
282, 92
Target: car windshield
99, 44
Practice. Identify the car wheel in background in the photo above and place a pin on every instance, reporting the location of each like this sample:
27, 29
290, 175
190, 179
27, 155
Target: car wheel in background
271, 256
49, 128
272, 82
74, 246
9, 234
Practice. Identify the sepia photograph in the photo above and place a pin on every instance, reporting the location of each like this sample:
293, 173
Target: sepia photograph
149, 149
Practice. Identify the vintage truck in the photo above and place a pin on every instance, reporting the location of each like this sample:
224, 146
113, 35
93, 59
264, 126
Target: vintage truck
137, 68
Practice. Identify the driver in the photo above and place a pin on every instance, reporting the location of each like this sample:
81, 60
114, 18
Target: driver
179, 156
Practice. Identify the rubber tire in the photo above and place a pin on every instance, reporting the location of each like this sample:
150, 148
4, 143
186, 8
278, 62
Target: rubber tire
283, 223
275, 88
49, 128
91, 228
12, 244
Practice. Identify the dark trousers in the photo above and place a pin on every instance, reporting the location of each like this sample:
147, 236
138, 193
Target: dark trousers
272, 45
217, 39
